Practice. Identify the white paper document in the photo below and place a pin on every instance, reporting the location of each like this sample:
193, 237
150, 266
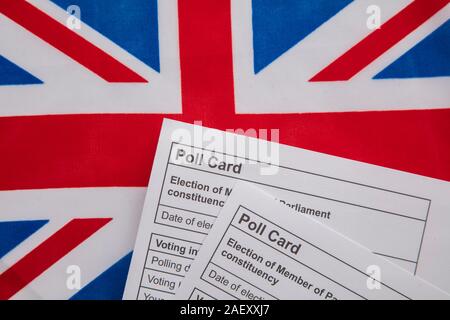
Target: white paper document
259, 250
402, 217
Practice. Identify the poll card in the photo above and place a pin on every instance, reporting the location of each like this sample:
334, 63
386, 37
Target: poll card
259, 250
402, 217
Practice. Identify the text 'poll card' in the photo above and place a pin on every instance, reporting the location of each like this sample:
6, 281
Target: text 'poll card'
259, 250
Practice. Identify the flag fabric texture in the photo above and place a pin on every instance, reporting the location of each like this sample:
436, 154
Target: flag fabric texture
85, 84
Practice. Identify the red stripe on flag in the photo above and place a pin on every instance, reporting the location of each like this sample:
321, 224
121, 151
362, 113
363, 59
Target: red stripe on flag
206, 59
67, 41
73, 151
46, 254
380, 41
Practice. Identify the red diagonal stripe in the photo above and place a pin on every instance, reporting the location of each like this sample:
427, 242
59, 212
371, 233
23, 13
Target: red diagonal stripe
67, 41
46, 254
381, 40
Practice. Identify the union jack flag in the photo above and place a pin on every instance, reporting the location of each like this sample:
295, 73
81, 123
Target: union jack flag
85, 84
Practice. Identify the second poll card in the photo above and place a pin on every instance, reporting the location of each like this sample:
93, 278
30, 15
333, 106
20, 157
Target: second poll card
398, 216
259, 250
